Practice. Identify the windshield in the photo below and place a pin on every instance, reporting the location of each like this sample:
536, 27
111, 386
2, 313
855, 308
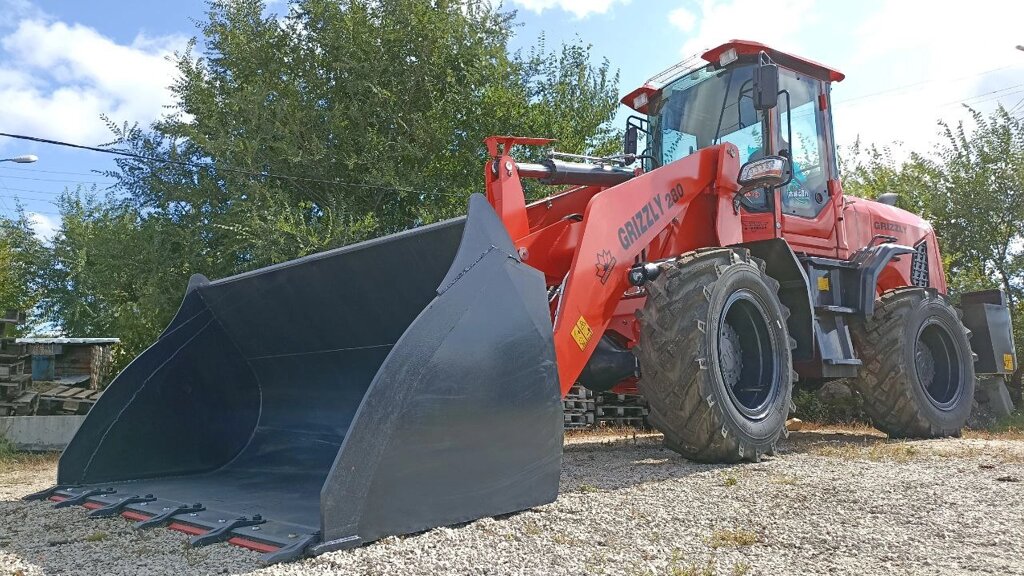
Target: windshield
704, 108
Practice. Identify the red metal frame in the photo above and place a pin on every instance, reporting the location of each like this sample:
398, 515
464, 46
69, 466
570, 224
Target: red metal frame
584, 239
587, 238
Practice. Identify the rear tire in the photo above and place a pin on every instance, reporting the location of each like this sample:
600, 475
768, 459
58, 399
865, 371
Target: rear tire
918, 375
715, 358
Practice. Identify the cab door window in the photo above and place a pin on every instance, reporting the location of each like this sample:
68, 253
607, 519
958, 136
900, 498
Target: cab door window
807, 193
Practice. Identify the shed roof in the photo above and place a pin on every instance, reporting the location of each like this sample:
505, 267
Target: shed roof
65, 341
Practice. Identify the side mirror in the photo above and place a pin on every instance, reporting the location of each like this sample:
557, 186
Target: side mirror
767, 172
629, 143
766, 86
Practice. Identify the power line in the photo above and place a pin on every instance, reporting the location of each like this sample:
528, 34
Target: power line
922, 83
980, 99
111, 182
197, 165
35, 191
19, 169
963, 101
4, 184
14, 194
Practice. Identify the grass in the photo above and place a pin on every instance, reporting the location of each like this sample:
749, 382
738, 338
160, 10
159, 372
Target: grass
740, 569
729, 480
733, 538
98, 536
692, 570
678, 566
532, 529
874, 451
589, 488
11, 459
1006, 428
785, 479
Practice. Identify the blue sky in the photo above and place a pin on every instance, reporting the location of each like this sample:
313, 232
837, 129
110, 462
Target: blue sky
908, 63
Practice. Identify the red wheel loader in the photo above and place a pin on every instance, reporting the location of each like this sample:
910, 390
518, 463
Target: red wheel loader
414, 380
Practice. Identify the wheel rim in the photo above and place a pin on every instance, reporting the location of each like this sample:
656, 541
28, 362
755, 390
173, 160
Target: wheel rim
938, 366
747, 356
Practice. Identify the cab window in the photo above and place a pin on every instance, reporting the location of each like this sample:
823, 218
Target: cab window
807, 193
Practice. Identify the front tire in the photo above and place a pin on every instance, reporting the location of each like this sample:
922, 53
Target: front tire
715, 358
918, 375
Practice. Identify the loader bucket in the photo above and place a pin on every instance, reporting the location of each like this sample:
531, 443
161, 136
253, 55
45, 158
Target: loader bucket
384, 388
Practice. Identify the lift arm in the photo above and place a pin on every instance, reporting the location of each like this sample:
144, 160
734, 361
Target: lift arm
619, 224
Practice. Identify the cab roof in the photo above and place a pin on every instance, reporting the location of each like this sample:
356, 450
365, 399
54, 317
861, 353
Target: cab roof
639, 98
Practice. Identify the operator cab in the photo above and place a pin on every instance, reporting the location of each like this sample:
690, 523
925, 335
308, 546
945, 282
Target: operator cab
709, 101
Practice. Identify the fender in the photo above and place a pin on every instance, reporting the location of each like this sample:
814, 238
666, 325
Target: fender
784, 266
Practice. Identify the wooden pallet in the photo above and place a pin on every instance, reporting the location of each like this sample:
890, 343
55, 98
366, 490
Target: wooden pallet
624, 422
23, 405
586, 405
67, 400
16, 368
579, 420
631, 411
578, 408
12, 388
621, 410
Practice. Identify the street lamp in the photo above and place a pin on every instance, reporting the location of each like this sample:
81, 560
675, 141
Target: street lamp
24, 159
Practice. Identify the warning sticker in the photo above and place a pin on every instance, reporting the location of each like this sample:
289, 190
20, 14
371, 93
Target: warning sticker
823, 283
582, 333
1007, 361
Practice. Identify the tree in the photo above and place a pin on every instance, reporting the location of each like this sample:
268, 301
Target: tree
972, 191
22, 255
340, 121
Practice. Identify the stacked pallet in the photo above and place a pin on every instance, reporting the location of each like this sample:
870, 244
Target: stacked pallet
16, 396
578, 408
620, 410
67, 396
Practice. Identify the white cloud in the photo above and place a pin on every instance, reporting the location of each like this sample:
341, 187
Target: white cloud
908, 63
44, 226
580, 8
717, 21
56, 79
928, 57
683, 19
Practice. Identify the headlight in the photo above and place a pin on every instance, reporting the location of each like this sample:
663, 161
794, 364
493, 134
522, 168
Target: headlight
767, 171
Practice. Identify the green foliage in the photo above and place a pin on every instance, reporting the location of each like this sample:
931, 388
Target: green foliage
1013, 423
337, 122
972, 190
22, 255
113, 273
829, 409
7, 451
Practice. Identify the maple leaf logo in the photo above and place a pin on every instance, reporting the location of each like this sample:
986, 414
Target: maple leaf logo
605, 263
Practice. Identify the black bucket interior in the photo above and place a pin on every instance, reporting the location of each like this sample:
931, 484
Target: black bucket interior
244, 402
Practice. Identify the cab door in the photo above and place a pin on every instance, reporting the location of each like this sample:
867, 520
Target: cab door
806, 210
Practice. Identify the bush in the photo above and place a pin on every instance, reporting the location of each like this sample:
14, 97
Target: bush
834, 403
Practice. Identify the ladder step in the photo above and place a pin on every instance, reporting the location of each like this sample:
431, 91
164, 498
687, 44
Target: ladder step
835, 309
843, 361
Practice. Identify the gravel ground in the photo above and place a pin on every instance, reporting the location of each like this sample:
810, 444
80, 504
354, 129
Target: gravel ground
831, 503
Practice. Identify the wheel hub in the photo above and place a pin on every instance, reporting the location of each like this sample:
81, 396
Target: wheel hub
747, 363
925, 365
731, 359
938, 365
